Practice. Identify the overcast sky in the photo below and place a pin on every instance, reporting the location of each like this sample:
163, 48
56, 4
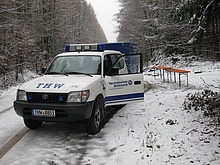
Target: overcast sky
105, 9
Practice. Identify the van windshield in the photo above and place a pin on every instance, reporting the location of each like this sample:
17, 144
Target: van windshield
76, 65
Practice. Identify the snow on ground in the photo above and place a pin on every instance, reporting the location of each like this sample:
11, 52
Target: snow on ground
10, 124
7, 97
157, 131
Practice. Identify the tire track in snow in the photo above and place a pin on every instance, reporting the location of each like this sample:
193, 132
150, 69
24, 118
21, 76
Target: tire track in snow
5, 110
11, 142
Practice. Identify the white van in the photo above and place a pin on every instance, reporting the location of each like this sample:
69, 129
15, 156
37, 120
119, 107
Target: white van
79, 84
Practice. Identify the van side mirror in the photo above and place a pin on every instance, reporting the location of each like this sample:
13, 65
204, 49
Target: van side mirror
113, 72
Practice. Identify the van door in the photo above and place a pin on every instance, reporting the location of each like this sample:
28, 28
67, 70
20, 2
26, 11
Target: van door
123, 79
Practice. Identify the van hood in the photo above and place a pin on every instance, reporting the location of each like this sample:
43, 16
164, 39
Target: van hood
58, 83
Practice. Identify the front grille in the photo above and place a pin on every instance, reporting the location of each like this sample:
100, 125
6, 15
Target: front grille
47, 97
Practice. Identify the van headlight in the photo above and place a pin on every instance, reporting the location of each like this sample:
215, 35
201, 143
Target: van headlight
21, 95
79, 97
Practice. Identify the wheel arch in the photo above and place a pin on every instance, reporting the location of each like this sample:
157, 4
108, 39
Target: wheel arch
101, 99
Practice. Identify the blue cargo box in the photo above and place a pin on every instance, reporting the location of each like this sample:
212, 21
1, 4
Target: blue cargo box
123, 47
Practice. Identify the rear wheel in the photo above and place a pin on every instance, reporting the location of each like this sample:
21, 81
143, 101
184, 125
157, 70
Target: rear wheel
32, 124
95, 123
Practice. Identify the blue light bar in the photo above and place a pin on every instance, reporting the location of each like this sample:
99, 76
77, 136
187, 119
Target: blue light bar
81, 47
123, 47
67, 49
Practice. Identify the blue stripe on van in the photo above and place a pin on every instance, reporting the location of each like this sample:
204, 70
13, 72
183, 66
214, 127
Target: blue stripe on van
124, 98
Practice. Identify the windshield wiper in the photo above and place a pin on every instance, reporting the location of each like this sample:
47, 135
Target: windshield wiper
87, 74
51, 73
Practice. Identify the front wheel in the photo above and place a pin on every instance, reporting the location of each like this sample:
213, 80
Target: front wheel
32, 124
95, 123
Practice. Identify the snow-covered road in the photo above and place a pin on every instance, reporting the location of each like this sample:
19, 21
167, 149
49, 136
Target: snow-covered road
9, 124
155, 132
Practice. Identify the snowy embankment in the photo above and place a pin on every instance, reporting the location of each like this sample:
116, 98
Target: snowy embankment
7, 97
156, 132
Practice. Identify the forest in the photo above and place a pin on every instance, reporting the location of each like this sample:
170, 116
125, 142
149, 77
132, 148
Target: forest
34, 31
171, 27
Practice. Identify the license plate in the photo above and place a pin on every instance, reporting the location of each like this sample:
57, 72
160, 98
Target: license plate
43, 113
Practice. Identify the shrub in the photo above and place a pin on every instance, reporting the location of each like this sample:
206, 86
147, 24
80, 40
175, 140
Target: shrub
206, 101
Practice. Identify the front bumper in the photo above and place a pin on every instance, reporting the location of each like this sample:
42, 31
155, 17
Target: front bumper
68, 112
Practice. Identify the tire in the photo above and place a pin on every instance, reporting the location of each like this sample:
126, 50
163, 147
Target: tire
95, 123
32, 124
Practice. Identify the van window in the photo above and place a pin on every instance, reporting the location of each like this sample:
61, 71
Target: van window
127, 64
82, 64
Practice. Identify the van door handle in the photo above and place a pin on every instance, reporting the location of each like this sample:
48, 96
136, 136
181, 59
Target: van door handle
137, 82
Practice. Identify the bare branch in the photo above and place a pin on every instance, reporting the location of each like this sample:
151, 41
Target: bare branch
209, 84
12, 9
